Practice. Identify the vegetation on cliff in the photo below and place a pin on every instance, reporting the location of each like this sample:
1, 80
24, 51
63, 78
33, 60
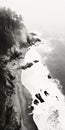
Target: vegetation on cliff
14, 98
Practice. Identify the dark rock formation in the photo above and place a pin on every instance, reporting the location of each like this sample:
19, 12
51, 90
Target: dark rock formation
49, 77
24, 67
38, 96
46, 93
36, 101
36, 61
14, 97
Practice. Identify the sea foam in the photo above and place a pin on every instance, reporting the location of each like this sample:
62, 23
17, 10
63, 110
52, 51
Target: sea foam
48, 99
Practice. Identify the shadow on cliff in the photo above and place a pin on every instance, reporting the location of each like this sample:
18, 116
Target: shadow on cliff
14, 98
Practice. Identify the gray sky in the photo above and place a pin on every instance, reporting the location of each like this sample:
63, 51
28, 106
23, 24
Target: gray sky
40, 14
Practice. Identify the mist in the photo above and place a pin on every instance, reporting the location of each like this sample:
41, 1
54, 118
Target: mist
40, 15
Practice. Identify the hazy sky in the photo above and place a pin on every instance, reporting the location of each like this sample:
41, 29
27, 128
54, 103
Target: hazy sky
40, 14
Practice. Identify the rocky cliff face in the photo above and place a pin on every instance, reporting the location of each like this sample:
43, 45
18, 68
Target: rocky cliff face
14, 97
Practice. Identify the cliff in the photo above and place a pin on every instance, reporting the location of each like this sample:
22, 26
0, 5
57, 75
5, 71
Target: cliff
14, 97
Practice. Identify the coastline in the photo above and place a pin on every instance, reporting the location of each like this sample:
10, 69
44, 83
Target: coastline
36, 80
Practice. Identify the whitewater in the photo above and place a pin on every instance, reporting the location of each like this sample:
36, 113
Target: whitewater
47, 97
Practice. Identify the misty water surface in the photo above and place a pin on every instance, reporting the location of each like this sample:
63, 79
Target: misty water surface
56, 61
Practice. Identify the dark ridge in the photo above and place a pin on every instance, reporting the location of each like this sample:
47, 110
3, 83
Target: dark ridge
8, 114
11, 76
36, 61
49, 77
15, 55
36, 102
28, 65
39, 97
46, 93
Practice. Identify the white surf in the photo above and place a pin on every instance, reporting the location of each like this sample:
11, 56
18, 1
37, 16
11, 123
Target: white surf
48, 114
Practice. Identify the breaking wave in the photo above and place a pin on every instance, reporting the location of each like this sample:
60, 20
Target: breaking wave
48, 99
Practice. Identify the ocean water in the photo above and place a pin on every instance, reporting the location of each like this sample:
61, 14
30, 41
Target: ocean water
56, 61
47, 99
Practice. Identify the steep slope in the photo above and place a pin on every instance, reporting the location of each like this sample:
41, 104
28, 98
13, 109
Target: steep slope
14, 97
